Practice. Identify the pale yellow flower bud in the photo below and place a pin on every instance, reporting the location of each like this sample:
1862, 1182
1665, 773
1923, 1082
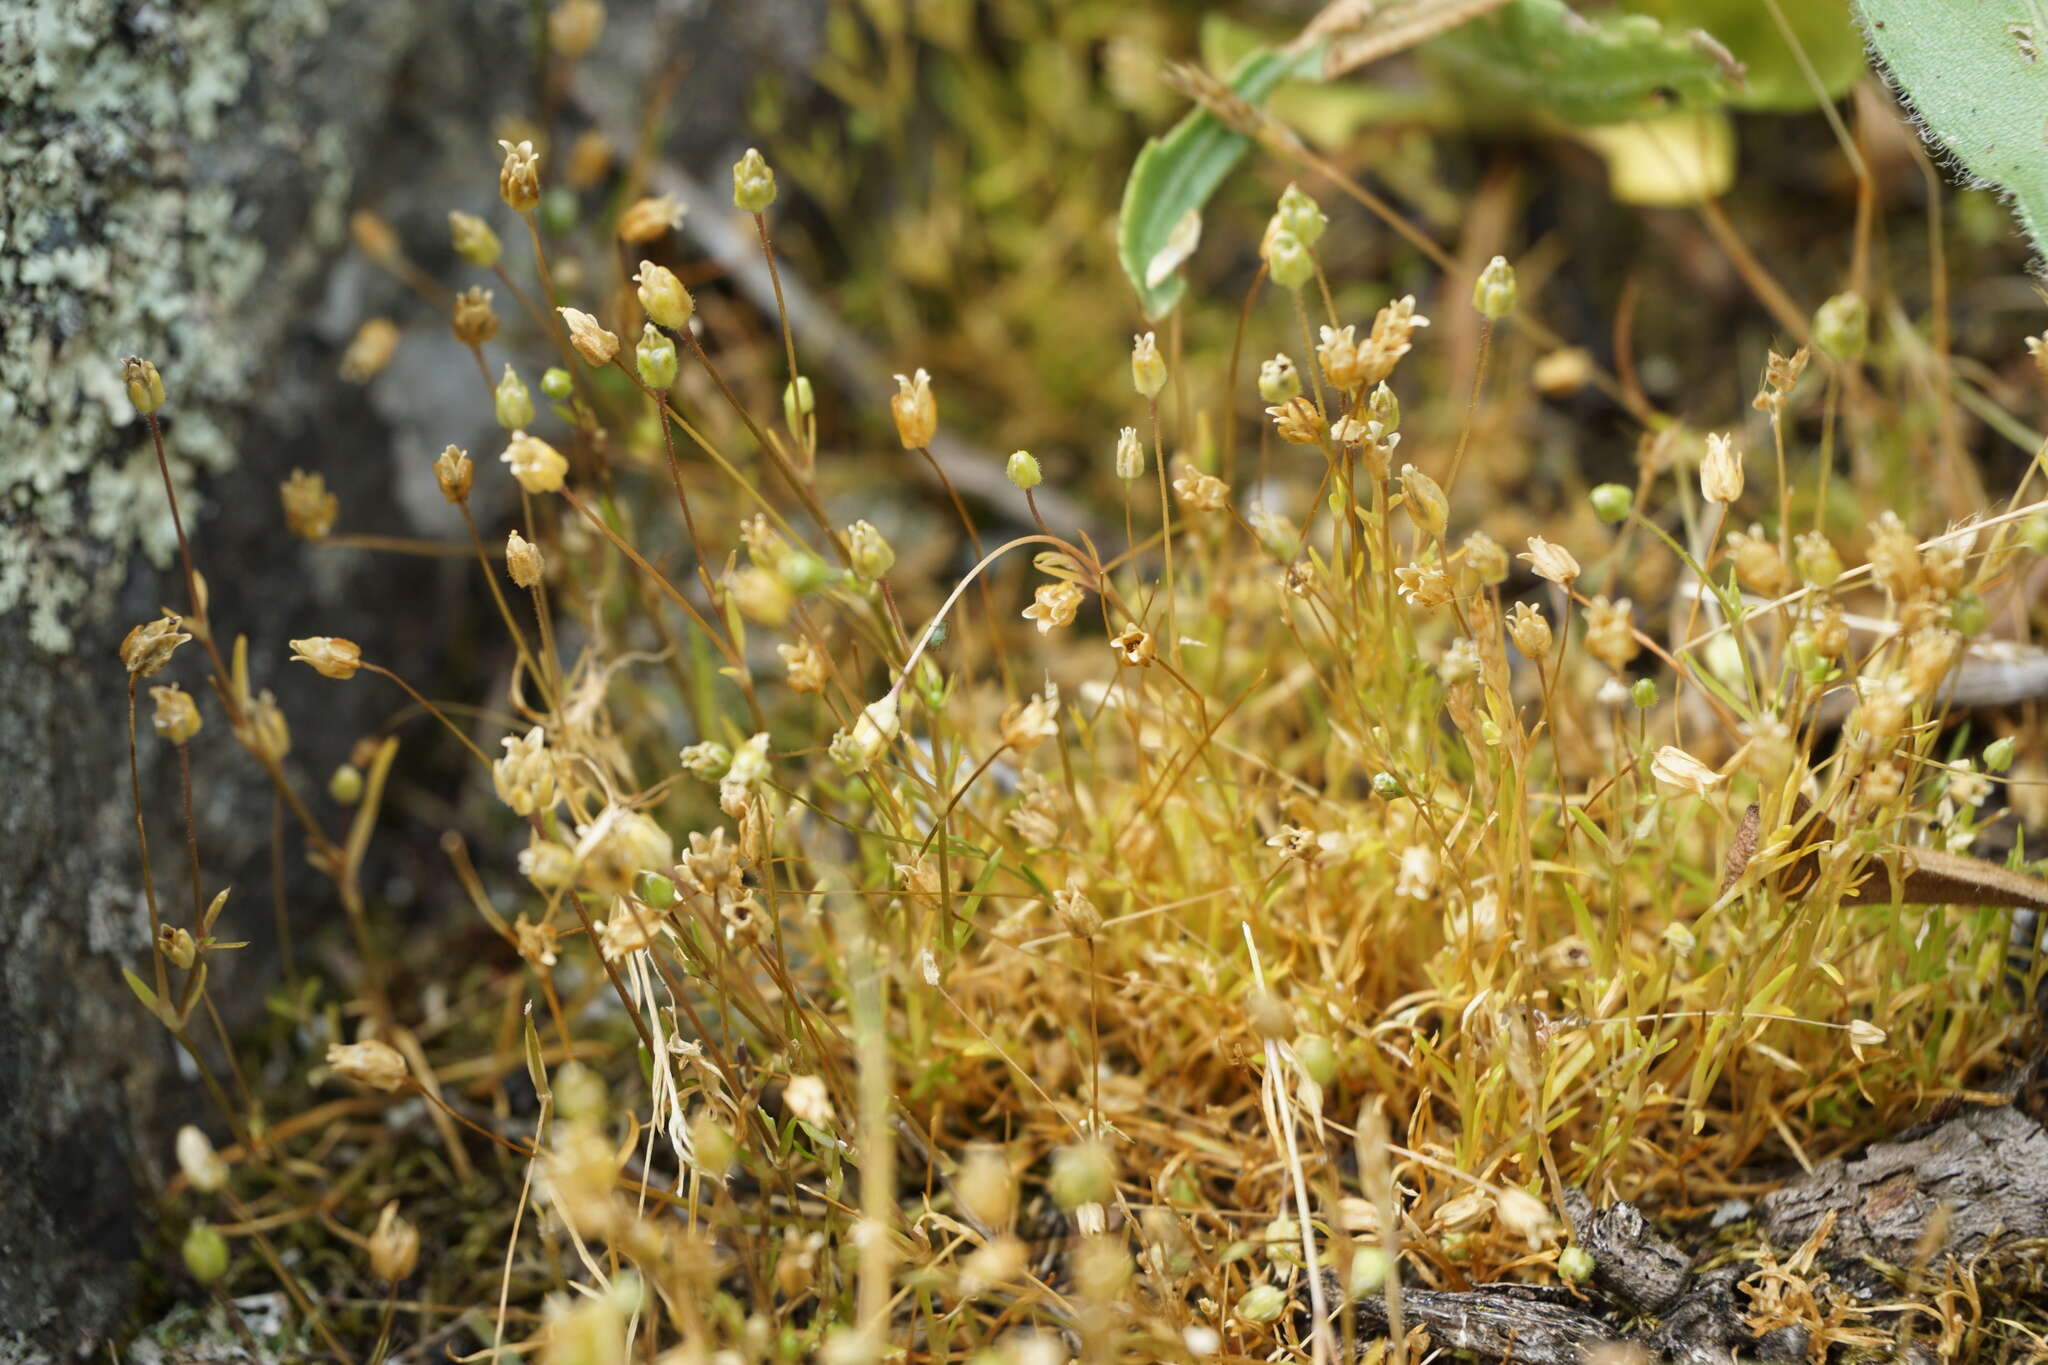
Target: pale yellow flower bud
573, 27
370, 350
1425, 501
1680, 774
145, 386
808, 1100
591, 341
1025, 724
394, 1246
1279, 380
915, 411
377, 1065
650, 219
177, 716
309, 509
525, 776
1486, 558
1130, 455
1721, 470
519, 177
200, 1163
870, 554
1298, 422
663, 297
760, 594
856, 749
329, 656
473, 240
1148, 369
1052, 605
454, 472
538, 466
148, 647
753, 183
1530, 631
1547, 559
473, 320
523, 561
1494, 292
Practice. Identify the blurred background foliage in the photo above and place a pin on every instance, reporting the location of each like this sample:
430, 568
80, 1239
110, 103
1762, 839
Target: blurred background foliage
959, 208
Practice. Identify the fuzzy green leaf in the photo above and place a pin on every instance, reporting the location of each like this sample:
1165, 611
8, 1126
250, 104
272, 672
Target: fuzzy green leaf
1175, 175
1773, 78
1975, 73
1545, 55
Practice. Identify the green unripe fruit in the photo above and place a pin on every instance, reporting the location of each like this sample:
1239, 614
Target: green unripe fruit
205, 1252
1612, 502
1317, 1057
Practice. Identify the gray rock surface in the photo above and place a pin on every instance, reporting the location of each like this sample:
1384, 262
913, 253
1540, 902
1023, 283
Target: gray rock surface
177, 184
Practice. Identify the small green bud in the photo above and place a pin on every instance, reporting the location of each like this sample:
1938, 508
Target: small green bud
346, 786
1494, 293
1386, 786
1370, 1267
1575, 1264
655, 889
1612, 502
556, 384
514, 403
753, 184
1968, 614
2034, 532
1023, 470
1317, 1057
799, 401
1082, 1174
1279, 380
655, 358
1643, 692
1302, 216
473, 240
1289, 261
1262, 1303
205, 1252
802, 572
1998, 754
1841, 326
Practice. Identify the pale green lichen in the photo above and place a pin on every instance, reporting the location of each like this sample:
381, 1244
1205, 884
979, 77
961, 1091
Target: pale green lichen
120, 233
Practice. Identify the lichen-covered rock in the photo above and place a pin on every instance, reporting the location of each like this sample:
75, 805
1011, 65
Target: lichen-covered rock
178, 179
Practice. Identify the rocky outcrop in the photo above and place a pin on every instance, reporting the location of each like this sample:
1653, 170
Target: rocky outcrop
178, 183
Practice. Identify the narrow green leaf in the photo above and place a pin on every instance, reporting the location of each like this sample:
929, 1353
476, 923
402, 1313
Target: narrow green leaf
1175, 175
1975, 73
141, 989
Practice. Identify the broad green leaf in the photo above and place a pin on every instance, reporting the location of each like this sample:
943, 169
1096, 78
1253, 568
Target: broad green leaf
1175, 175
1772, 76
1606, 69
1975, 73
